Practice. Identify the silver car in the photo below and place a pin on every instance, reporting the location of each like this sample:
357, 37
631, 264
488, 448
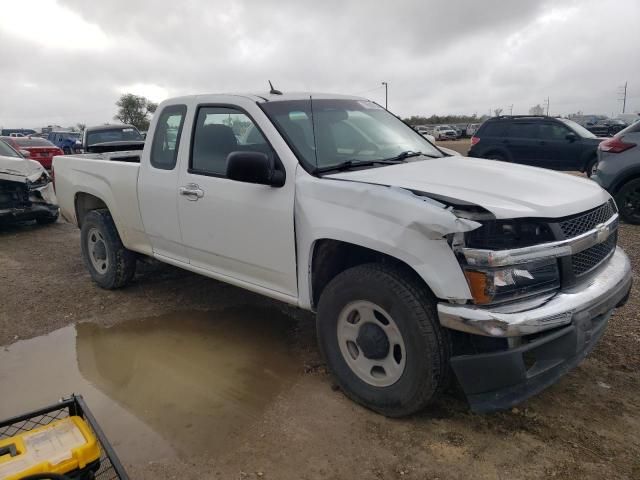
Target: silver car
618, 171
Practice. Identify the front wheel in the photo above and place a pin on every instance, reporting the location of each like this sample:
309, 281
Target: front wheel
628, 201
379, 333
110, 264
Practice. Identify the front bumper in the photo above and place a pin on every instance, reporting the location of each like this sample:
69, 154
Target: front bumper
33, 212
591, 298
500, 379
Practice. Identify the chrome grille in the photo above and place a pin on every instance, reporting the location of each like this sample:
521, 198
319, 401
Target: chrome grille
587, 221
590, 258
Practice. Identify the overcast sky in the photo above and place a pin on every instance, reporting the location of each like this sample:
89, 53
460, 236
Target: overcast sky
67, 61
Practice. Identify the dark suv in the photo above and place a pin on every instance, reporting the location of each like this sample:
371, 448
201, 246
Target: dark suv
541, 141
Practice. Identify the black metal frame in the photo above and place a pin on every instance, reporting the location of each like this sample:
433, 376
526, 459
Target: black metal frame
110, 465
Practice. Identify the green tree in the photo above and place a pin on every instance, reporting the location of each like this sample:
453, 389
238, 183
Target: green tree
135, 110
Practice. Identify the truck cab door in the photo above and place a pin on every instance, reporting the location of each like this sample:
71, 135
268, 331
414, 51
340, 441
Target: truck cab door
240, 232
158, 183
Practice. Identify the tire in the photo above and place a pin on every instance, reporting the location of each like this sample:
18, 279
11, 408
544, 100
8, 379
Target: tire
588, 169
67, 150
110, 264
423, 361
496, 156
628, 201
48, 220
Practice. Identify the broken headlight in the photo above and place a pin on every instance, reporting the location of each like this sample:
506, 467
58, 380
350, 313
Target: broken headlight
503, 284
507, 234
42, 181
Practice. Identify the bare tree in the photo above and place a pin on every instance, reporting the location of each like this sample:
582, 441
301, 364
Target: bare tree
497, 112
536, 110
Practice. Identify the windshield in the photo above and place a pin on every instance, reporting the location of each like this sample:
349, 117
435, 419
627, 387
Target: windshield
576, 127
7, 151
121, 134
324, 132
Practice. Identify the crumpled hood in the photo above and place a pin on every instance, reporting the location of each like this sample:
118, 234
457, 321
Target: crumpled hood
20, 169
507, 190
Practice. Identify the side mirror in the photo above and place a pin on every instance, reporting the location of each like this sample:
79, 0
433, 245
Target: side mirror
572, 137
25, 153
253, 167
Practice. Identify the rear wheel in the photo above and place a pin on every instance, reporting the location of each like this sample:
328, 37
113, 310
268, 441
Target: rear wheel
379, 333
590, 168
110, 264
628, 200
496, 156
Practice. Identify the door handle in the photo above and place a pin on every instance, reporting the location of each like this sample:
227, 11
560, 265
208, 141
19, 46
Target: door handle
192, 191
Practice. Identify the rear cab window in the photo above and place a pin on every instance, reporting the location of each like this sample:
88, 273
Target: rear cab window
166, 139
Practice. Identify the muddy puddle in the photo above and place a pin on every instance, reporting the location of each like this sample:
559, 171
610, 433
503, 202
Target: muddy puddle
163, 387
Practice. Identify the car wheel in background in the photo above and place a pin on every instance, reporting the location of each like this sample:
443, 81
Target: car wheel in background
66, 150
110, 264
591, 166
628, 201
496, 156
379, 333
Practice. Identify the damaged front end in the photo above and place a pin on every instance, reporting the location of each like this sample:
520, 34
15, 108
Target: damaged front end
27, 196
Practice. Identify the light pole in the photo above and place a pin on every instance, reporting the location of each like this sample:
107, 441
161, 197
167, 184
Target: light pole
386, 95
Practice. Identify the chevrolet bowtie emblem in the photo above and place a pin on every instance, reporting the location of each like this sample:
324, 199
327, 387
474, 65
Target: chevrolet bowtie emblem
602, 232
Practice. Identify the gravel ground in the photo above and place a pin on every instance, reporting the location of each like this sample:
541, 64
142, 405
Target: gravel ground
586, 426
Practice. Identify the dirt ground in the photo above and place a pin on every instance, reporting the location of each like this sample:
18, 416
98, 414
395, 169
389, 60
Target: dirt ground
587, 426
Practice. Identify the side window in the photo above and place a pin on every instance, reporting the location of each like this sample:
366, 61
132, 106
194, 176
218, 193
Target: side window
523, 130
493, 129
551, 131
220, 131
166, 139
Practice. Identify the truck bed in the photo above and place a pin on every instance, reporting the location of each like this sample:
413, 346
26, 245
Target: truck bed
110, 177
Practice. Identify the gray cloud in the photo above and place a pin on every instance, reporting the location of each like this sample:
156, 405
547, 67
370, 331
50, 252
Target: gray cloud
438, 57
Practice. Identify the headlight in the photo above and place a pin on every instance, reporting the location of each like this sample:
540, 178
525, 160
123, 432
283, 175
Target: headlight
502, 284
506, 234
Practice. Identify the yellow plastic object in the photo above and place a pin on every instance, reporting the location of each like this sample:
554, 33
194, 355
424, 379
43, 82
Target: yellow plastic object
59, 447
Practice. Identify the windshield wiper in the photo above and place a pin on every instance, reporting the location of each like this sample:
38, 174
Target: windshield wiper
346, 165
405, 154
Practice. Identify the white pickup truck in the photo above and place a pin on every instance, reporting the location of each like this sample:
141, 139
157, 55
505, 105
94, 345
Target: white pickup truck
420, 266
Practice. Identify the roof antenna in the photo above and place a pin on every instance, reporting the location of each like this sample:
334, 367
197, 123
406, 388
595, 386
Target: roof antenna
273, 91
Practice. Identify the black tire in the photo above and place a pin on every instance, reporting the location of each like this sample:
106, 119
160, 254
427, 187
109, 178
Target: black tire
497, 156
121, 263
628, 201
413, 309
588, 169
48, 220
67, 150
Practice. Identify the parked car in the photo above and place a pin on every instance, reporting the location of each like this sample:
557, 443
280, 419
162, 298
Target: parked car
37, 149
26, 191
111, 138
555, 143
471, 129
606, 127
418, 265
69, 142
444, 132
618, 171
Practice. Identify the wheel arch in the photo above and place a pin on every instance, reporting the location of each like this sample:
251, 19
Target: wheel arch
329, 257
84, 203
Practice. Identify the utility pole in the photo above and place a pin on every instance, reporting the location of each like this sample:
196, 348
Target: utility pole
386, 95
547, 102
511, 109
623, 92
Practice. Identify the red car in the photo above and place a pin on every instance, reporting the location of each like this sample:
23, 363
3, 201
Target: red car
39, 149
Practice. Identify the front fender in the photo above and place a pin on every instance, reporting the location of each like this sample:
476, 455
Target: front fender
392, 221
